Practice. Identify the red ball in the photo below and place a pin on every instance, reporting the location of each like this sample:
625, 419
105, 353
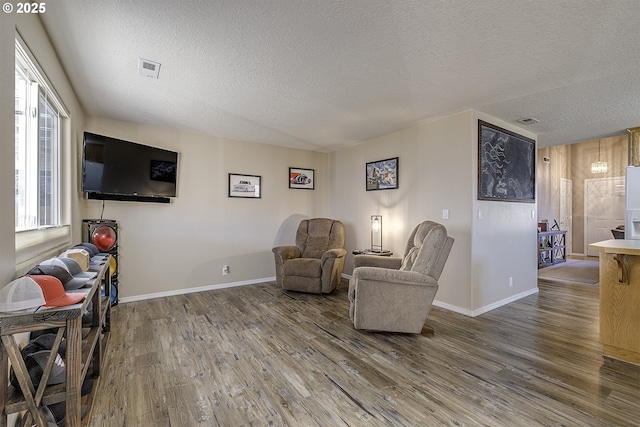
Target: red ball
104, 237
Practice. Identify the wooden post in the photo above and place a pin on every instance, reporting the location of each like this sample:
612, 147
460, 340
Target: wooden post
634, 146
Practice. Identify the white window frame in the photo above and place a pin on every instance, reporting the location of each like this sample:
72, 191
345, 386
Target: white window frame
34, 241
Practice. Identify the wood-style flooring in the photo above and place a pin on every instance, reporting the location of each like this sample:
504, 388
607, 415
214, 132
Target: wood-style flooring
260, 356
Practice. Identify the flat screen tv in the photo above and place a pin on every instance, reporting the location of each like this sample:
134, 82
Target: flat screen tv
114, 169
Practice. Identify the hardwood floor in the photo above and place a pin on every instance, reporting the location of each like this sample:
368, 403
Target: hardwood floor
260, 356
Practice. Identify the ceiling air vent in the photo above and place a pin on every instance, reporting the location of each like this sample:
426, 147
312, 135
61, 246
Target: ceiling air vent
529, 121
148, 68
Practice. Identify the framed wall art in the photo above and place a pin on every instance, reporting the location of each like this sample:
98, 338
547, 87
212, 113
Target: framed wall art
302, 178
506, 165
382, 174
246, 186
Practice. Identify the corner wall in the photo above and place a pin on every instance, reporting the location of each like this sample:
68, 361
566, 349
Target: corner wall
548, 176
169, 248
504, 251
183, 245
438, 170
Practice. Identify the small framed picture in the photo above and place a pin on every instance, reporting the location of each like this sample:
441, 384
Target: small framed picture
382, 174
303, 179
246, 186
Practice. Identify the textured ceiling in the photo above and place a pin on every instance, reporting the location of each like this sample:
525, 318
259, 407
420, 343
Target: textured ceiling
321, 74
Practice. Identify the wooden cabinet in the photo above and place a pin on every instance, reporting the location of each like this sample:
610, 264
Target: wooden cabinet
82, 361
552, 247
620, 298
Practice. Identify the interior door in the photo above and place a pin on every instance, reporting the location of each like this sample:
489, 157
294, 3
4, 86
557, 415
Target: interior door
566, 211
604, 206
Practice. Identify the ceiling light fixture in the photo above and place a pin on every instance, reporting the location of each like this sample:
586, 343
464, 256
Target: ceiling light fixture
529, 121
599, 166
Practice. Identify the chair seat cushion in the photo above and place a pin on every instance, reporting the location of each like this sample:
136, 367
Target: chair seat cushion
304, 267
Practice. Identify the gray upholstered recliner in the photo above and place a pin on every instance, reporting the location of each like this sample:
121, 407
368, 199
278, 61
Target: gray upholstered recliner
316, 262
395, 294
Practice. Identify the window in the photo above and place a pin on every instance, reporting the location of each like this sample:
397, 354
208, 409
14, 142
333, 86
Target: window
37, 146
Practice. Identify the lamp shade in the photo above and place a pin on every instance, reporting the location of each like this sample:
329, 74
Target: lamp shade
376, 233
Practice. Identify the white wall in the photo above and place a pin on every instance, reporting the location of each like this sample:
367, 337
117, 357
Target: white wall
504, 243
33, 34
167, 248
7, 149
438, 170
435, 173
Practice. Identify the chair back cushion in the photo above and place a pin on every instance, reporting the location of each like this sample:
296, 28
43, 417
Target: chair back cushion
315, 236
427, 249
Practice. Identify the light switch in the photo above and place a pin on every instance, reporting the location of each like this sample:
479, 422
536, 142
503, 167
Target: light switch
479, 213
445, 213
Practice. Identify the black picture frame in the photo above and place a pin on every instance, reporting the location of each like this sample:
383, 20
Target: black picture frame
245, 186
302, 179
506, 165
382, 174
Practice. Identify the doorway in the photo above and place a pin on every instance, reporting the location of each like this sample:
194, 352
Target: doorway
604, 205
566, 211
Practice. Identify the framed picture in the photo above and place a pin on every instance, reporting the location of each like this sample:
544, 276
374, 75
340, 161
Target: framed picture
506, 165
302, 178
382, 174
247, 186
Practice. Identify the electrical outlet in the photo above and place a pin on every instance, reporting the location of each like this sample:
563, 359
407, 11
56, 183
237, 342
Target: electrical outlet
225, 270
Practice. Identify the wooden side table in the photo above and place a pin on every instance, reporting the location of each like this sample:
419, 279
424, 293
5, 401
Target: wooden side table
370, 252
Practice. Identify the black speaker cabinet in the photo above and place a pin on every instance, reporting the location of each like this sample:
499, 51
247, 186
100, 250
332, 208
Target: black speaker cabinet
103, 233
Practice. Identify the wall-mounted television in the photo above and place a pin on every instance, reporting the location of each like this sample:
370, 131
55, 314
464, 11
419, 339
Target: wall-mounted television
114, 169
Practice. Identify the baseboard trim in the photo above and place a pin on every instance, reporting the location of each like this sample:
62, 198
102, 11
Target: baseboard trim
478, 312
486, 308
444, 305
193, 290
453, 308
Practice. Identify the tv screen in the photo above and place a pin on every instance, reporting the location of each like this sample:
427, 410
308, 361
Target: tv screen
122, 170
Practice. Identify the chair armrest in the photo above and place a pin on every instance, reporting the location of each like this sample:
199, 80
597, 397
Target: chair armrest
286, 252
393, 276
334, 253
282, 254
377, 261
390, 300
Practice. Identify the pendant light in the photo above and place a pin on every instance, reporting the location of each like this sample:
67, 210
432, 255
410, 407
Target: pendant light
599, 166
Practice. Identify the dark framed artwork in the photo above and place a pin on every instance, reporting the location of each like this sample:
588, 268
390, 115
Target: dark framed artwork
302, 178
506, 165
246, 186
162, 170
382, 174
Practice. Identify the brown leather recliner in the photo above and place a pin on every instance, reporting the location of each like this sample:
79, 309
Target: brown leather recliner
316, 262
